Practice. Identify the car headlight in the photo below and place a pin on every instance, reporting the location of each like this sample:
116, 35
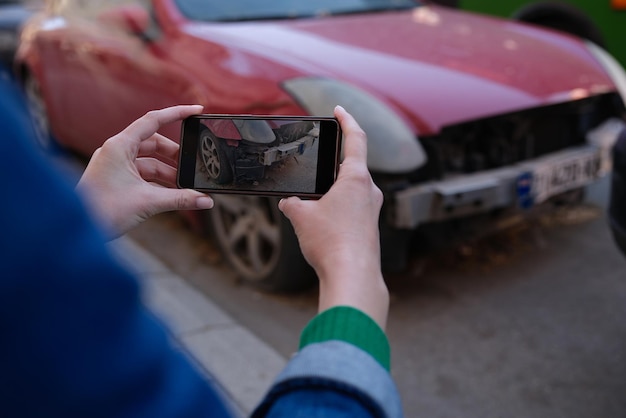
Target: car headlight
611, 66
392, 146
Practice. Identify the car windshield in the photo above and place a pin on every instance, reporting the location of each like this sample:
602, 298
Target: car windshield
241, 10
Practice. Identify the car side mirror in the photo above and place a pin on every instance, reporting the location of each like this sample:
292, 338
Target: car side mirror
131, 18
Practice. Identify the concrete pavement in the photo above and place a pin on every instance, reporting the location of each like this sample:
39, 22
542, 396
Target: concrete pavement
243, 364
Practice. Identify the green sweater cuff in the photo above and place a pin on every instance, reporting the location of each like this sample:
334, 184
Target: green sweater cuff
348, 324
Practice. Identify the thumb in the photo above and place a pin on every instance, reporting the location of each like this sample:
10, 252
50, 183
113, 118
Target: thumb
288, 205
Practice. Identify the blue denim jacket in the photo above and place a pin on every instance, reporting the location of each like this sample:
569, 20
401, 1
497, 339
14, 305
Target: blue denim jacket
332, 379
77, 341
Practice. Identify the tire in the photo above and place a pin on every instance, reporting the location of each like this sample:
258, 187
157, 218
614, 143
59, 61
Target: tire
394, 247
259, 243
39, 114
216, 157
562, 17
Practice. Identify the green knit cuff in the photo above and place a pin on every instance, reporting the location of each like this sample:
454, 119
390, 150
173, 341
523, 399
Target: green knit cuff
348, 324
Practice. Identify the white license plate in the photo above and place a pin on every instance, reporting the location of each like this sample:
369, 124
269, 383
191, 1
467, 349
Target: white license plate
551, 178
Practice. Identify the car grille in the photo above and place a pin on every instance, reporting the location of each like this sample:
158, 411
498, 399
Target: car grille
506, 139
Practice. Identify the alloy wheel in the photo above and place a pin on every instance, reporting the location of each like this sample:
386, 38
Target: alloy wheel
248, 231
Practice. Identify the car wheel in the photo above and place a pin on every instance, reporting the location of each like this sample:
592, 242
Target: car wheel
39, 114
216, 157
562, 17
259, 243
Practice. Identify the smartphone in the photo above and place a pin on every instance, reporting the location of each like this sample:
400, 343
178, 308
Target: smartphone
259, 155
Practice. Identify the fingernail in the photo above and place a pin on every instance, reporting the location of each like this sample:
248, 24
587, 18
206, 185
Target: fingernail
204, 202
339, 107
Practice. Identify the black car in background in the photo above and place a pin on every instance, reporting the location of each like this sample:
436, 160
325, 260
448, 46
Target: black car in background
13, 13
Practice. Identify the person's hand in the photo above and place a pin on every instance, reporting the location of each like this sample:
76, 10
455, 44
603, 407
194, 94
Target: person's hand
133, 175
339, 235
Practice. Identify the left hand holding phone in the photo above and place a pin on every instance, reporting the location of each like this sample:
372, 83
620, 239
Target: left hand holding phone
133, 175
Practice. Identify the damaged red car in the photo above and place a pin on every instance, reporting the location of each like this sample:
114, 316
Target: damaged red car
470, 119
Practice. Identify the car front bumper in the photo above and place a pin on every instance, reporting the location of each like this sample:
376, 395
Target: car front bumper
518, 186
279, 153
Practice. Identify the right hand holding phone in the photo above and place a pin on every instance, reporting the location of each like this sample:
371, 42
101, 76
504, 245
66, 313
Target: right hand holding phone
339, 235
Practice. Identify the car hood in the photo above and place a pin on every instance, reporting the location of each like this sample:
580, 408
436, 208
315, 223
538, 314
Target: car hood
434, 65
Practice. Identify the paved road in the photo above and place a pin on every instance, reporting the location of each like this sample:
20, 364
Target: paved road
530, 323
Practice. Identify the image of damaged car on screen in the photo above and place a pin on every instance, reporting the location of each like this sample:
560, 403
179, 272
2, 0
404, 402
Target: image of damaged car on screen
251, 153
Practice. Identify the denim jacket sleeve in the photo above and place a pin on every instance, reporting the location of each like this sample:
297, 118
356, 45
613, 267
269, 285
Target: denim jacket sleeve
76, 339
332, 379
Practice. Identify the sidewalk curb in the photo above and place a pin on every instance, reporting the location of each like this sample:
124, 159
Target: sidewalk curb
244, 365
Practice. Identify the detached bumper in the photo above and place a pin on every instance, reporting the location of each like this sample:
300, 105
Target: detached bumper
511, 187
518, 186
283, 151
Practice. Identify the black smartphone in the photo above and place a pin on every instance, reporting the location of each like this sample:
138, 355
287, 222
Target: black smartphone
259, 155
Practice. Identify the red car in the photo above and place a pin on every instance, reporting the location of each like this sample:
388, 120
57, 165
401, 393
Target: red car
469, 118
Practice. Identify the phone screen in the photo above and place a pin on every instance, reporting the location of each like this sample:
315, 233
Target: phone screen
263, 155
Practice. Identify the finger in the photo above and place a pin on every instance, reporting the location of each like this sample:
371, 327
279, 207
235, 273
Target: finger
159, 146
165, 200
153, 170
146, 126
355, 140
